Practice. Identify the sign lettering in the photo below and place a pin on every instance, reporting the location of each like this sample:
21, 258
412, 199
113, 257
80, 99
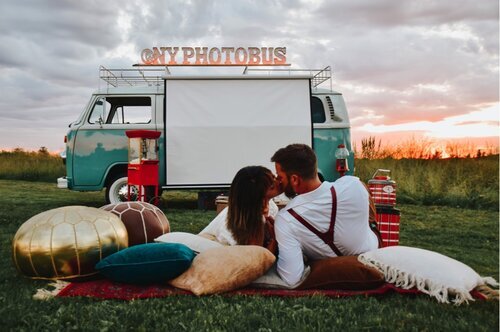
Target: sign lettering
214, 56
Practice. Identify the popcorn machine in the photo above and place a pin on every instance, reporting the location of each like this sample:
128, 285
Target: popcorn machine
143, 163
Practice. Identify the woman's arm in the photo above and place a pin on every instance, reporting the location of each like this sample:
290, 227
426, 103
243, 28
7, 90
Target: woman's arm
270, 237
215, 225
273, 208
217, 230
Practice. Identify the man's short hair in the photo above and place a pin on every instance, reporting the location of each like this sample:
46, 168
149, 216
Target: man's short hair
297, 159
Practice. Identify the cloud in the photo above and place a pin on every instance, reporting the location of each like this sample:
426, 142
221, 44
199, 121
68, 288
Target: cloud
388, 13
395, 62
482, 123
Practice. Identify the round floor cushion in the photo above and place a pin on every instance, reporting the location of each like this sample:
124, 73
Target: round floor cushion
67, 242
144, 221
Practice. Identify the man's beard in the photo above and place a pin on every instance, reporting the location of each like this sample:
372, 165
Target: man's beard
288, 190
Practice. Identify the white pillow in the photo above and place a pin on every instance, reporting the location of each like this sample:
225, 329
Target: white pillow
430, 272
194, 242
272, 280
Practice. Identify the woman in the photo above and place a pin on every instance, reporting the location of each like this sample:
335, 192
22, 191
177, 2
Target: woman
249, 217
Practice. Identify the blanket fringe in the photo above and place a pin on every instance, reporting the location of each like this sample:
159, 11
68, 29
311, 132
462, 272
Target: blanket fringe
490, 281
43, 294
488, 292
405, 280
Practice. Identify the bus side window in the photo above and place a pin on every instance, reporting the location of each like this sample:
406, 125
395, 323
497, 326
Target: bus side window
99, 111
117, 115
137, 114
317, 110
127, 110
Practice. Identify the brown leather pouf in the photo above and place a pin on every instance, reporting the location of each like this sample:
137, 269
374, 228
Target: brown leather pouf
144, 221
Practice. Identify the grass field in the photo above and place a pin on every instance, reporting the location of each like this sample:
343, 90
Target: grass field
471, 236
30, 166
458, 182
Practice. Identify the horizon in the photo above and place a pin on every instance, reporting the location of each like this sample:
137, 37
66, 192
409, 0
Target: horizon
443, 149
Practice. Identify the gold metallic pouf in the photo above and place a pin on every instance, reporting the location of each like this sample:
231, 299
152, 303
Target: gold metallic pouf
67, 242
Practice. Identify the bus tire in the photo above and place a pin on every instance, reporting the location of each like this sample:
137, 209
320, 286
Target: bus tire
117, 190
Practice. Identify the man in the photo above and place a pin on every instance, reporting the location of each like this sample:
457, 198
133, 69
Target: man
323, 219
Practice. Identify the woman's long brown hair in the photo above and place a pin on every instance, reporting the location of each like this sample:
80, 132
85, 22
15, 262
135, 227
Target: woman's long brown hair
246, 204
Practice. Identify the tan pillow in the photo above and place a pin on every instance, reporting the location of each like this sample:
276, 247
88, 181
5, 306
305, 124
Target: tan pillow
223, 269
345, 273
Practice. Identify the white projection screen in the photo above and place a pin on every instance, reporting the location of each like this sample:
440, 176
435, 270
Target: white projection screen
214, 127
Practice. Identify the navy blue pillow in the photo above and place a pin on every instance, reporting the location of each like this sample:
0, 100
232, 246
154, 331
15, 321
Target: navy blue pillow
147, 263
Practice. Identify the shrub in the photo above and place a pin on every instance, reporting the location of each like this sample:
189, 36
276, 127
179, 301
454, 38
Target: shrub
32, 166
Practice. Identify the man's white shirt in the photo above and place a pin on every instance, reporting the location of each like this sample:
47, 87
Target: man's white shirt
352, 232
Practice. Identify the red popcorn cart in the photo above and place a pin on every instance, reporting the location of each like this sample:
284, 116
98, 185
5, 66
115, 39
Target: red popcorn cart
382, 188
143, 162
388, 224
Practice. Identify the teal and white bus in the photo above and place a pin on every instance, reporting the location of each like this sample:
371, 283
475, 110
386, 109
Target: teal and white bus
210, 126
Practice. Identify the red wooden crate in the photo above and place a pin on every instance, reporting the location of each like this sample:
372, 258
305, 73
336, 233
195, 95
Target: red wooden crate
388, 223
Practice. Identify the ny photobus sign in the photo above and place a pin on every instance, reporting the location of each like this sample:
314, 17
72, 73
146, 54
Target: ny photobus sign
214, 56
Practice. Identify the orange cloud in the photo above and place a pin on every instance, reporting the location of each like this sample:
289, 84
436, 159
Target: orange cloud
482, 123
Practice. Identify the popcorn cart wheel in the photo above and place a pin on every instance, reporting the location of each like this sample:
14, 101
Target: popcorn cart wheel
159, 201
117, 190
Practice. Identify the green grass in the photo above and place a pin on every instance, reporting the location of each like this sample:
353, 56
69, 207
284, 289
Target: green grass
467, 182
470, 236
30, 166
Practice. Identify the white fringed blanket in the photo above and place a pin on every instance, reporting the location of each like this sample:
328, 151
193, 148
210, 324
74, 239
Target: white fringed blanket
431, 273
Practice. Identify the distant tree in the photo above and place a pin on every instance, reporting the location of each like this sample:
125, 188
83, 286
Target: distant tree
480, 153
43, 150
437, 154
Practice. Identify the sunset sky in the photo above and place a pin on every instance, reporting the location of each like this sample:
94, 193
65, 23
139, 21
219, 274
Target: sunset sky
419, 68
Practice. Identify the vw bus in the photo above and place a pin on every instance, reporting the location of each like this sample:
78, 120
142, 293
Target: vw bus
211, 126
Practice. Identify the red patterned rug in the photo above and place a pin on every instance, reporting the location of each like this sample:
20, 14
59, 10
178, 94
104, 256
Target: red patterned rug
106, 289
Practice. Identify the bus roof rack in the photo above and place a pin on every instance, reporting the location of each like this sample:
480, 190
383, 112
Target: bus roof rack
155, 76
319, 76
132, 77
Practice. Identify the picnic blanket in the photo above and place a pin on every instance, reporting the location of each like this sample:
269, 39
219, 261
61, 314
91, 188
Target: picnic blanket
106, 289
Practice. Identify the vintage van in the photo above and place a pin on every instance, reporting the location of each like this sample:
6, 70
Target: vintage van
210, 126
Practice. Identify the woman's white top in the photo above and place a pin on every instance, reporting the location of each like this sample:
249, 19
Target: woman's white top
218, 227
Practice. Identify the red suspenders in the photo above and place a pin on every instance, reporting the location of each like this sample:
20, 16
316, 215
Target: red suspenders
327, 236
